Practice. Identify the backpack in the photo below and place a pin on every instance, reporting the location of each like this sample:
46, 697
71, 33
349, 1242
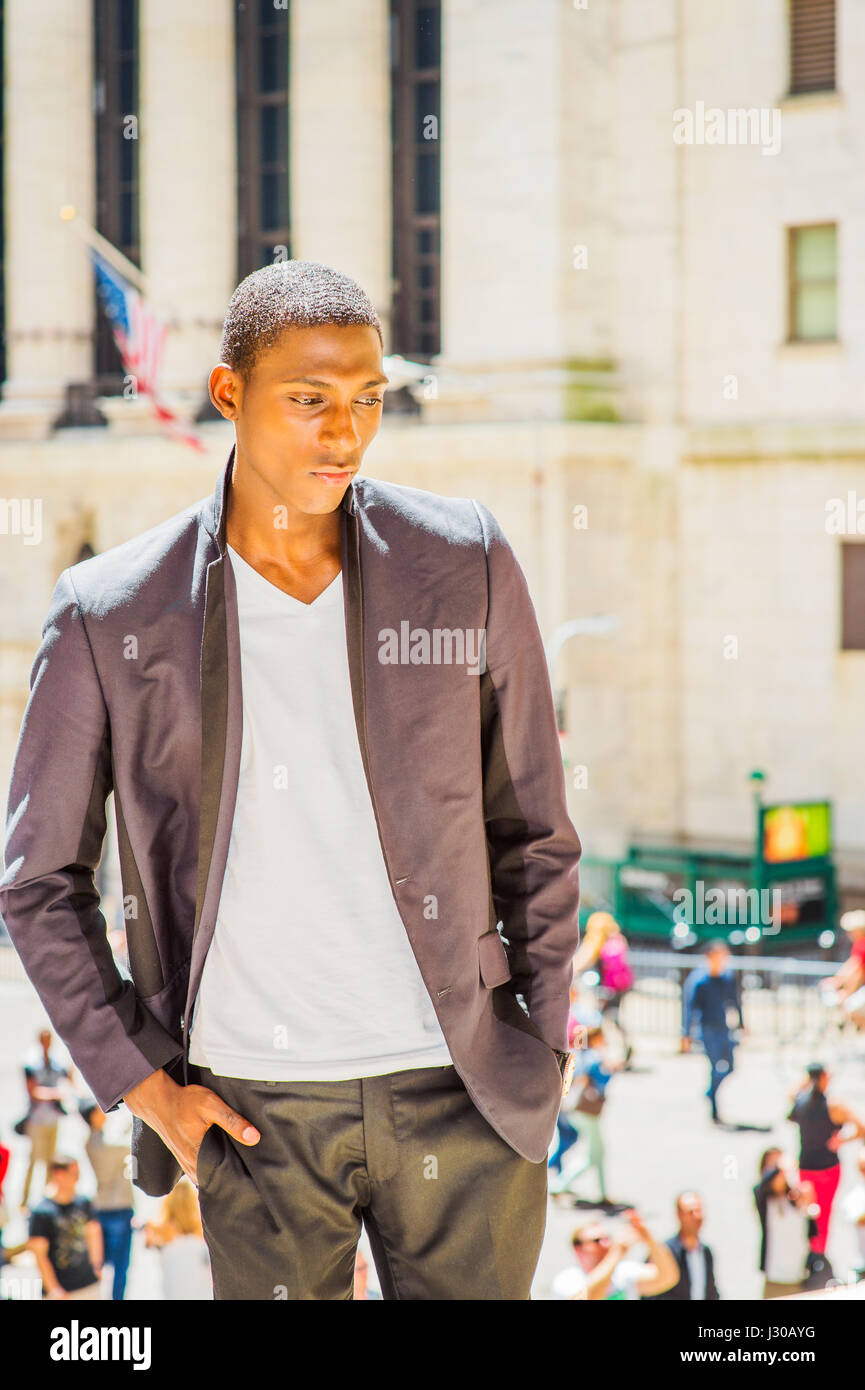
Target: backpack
616, 973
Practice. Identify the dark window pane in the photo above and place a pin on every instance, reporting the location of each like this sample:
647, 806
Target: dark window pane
126, 84
425, 241
127, 24
426, 181
426, 310
274, 201
427, 36
274, 134
427, 99
128, 150
425, 276
273, 62
853, 596
428, 344
127, 217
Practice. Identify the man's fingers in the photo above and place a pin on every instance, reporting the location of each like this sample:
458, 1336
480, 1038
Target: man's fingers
236, 1125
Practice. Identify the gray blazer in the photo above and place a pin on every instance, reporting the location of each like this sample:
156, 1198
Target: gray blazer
136, 686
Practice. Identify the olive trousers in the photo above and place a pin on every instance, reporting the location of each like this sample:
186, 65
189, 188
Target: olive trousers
450, 1209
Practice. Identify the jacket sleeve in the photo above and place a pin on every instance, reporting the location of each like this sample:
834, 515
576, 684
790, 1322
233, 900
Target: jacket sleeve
534, 849
55, 828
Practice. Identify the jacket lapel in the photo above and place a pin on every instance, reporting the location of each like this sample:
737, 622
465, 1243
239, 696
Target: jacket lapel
222, 709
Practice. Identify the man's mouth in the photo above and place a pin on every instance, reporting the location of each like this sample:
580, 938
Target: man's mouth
333, 476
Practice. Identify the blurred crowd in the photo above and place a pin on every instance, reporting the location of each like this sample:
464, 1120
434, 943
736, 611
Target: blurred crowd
81, 1246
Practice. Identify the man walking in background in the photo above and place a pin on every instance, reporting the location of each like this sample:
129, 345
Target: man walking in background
710, 991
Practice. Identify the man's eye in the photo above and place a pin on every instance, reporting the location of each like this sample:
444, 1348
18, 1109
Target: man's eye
370, 400
305, 400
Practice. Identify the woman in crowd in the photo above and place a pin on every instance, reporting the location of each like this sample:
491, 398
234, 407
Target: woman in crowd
180, 1240
786, 1208
823, 1126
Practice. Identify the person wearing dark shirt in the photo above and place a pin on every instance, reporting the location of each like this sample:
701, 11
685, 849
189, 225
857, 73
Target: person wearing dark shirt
710, 991
66, 1238
820, 1124
694, 1259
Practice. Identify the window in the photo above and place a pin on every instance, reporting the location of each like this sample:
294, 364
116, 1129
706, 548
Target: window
812, 273
115, 101
852, 596
261, 74
812, 46
415, 114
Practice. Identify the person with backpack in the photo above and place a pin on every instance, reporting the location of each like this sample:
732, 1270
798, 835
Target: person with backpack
606, 949
821, 1124
584, 1104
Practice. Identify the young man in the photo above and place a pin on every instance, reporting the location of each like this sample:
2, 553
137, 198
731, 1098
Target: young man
323, 704
107, 1149
710, 991
66, 1238
43, 1074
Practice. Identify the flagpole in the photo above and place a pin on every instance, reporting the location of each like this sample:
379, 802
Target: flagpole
95, 239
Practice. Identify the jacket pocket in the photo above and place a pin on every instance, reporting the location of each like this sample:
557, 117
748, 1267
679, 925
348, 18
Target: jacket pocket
493, 959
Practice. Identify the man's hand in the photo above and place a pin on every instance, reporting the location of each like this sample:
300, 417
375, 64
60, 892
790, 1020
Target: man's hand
685, 1044
181, 1115
637, 1225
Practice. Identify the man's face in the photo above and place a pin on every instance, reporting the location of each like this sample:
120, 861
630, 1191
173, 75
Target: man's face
594, 1245
312, 405
690, 1214
64, 1181
718, 960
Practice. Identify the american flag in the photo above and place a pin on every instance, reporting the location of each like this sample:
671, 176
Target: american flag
140, 337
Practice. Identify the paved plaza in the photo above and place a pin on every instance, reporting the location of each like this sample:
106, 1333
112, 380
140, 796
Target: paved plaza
658, 1135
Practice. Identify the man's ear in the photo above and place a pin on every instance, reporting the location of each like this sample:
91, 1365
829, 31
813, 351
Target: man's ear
225, 388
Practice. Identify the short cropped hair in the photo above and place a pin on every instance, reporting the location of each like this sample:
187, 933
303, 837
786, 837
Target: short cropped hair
288, 294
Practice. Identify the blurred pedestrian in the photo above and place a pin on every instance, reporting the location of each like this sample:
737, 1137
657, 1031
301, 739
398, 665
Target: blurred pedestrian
361, 1279
854, 1211
695, 1262
848, 984
602, 1270
65, 1237
43, 1073
179, 1238
821, 1122
786, 1206
710, 991
5, 1155
605, 946
108, 1149
583, 1106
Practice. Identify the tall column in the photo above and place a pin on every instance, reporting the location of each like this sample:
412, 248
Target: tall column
340, 148
502, 248
187, 171
48, 83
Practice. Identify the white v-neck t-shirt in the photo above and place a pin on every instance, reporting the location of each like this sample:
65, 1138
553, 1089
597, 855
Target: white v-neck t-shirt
310, 975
